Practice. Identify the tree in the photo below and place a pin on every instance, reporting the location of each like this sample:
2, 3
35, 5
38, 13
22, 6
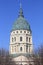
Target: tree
39, 56
5, 58
40, 53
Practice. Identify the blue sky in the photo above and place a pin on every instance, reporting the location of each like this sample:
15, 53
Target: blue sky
33, 12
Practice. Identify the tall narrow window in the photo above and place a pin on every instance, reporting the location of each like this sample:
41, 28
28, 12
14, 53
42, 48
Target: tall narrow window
29, 39
20, 48
20, 38
12, 39
26, 39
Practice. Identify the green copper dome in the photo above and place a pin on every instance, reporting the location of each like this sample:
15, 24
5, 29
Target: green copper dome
21, 23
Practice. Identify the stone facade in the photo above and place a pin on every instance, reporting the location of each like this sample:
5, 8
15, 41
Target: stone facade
25, 44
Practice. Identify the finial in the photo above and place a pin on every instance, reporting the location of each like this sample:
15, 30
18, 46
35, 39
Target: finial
21, 11
20, 4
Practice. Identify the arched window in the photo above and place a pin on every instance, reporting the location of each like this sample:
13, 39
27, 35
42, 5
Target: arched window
20, 38
20, 48
26, 39
12, 39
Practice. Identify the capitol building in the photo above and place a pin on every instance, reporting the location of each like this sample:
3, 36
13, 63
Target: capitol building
21, 46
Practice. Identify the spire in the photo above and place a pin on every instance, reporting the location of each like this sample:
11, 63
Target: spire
21, 10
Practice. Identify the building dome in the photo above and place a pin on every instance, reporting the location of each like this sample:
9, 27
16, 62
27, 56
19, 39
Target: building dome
21, 23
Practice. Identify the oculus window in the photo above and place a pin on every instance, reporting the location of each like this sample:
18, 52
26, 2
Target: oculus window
20, 31
17, 31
